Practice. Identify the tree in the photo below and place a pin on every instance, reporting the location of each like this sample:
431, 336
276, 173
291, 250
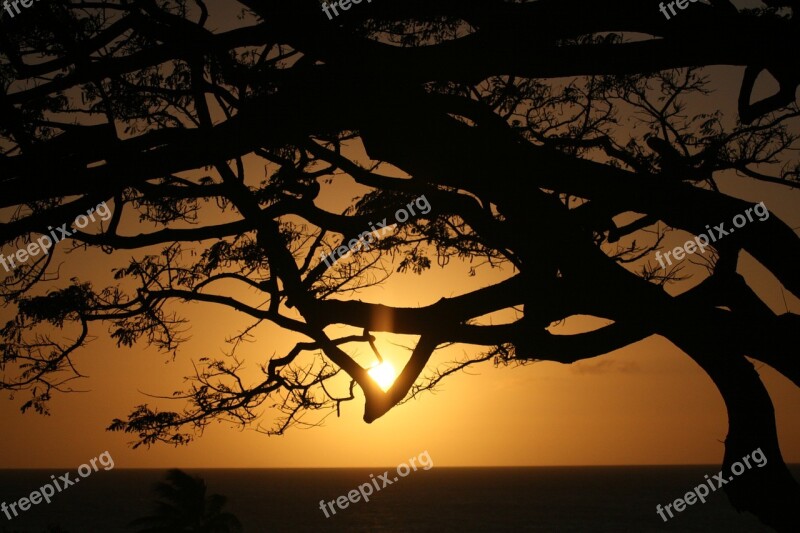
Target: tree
182, 505
513, 120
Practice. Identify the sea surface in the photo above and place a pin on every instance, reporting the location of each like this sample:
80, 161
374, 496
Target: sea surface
462, 500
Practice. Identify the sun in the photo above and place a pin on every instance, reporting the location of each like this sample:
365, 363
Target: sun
383, 374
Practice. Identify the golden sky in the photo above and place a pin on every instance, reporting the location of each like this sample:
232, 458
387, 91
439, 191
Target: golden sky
645, 404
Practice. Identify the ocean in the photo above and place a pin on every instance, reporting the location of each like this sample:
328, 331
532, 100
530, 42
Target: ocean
585, 499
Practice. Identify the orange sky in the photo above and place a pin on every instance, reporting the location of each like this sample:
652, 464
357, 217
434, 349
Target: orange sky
645, 404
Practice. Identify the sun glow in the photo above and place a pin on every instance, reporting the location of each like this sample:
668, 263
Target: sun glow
383, 374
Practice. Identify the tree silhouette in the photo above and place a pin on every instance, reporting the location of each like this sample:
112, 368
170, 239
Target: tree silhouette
531, 128
182, 505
